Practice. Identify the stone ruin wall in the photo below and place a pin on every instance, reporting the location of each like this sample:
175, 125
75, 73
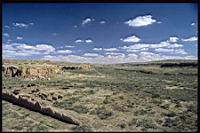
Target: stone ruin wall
40, 71
36, 106
30, 71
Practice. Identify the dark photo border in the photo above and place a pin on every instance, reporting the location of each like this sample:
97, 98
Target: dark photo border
97, 1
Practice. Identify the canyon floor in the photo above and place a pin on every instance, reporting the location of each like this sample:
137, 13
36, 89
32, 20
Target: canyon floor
121, 97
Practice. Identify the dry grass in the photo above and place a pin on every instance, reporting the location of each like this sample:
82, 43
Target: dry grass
109, 98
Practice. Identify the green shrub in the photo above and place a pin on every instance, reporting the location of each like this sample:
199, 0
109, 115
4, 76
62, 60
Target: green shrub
82, 128
146, 123
80, 109
102, 113
122, 125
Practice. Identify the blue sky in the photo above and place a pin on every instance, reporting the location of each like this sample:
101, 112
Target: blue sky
100, 33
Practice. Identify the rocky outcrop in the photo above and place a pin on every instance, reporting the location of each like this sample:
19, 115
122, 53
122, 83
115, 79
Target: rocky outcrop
36, 106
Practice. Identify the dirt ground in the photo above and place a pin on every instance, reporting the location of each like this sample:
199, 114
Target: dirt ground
124, 97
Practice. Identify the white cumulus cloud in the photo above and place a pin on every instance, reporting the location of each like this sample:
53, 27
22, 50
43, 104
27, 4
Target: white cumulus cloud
97, 49
22, 49
25, 46
45, 47
31, 23
132, 38
132, 55
173, 39
6, 26
141, 21
116, 54
20, 25
88, 41
102, 22
79, 41
91, 54
173, 51
111, 49
69, 46
19, 38
192, 24
113, 59
190, 39
137, 50
8, 47
82, 41
136, 46
146, 45
175, 45
6, 35
87, 20
64, 51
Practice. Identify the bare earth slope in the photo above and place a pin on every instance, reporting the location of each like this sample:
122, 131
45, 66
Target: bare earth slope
123, 97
